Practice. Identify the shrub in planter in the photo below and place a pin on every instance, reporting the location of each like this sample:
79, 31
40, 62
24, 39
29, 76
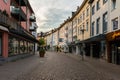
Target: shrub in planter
41, 52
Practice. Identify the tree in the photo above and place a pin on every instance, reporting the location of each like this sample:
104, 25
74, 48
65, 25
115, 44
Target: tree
41, 42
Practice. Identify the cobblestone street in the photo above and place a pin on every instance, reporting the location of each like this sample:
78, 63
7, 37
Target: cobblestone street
59, 66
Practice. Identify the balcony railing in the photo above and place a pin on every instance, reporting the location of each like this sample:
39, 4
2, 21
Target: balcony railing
32, 18
18, 13
21, 2
4, 20
14, 27
32, 28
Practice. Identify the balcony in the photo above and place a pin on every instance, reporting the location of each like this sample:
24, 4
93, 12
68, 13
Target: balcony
4, 20
21, 2
33, 27
18, 14
33, 18
17, 29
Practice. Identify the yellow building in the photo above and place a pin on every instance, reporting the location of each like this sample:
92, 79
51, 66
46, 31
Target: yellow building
83, 17
81, 27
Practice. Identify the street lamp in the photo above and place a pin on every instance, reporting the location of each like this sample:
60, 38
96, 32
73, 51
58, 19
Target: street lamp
82, 30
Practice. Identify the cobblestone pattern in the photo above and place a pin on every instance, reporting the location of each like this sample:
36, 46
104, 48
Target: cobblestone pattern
55, 66
61, 67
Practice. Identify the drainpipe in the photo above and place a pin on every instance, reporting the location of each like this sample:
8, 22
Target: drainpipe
91, 52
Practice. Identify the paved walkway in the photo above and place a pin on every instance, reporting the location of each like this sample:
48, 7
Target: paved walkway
99, 65
59, 66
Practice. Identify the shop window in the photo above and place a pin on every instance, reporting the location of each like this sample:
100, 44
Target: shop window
22, 47
13, 46
31, 48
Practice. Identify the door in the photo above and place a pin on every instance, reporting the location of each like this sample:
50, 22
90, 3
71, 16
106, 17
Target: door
0, 45
118, 55
114, 53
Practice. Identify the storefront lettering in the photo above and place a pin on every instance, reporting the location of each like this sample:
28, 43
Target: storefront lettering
115, 35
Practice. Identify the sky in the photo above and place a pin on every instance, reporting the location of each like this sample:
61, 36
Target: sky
51, 13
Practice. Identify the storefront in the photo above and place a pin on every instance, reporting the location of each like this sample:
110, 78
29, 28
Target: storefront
113, 46
0, 44
3, 41
96, 46
18, 45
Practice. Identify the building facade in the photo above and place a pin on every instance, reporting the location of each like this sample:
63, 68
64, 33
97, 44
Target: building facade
94, 30
99, 28
62, 37
15, 38
83, 28
113, 40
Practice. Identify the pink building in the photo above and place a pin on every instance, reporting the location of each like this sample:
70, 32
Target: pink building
15, 22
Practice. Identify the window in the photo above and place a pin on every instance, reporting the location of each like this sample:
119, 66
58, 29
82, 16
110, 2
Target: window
104, 1
98, 5
115, 24
87, 12
97, 25
60, 39
80, 29
78, 20
83, 26
113, 4
5, 1
83, 15
92, 33
105, 22
93, 10
81, 18
87, 24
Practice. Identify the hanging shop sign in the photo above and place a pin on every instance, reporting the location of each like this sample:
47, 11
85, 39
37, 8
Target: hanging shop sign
113, 36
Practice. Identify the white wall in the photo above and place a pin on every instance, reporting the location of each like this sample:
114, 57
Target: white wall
99, 14
114, 14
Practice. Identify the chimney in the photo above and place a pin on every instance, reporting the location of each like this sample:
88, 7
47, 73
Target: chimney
77, 8
73, 13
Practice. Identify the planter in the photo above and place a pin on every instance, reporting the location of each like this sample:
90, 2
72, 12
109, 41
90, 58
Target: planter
41, 54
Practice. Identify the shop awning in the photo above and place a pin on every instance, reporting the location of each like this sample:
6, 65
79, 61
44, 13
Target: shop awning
4, 28
95, 38
25, 35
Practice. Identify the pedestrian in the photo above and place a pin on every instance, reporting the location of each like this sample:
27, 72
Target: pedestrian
57, 48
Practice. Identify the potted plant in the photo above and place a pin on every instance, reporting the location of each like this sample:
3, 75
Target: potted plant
41, 46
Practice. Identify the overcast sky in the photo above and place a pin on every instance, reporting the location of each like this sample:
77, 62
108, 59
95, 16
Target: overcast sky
51, 13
